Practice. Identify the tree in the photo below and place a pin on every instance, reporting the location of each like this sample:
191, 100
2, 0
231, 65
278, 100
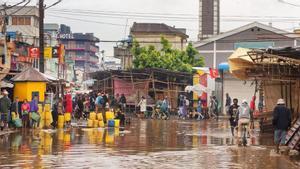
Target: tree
166, 57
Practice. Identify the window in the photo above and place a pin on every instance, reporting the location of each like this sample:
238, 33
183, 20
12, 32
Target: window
21, 20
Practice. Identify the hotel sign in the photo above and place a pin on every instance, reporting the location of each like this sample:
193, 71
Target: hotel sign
66, 36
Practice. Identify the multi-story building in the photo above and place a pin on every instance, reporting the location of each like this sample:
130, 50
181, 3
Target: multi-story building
209, 18
24, 20
150, 34
80, 50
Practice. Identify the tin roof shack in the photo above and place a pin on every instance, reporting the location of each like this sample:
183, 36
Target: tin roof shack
153, 83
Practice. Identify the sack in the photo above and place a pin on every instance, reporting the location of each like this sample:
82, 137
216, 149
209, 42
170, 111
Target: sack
18, 123
35, 116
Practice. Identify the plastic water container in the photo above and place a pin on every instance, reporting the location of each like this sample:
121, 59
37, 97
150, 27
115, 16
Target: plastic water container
18, 123
67, 117
43, 115
48, 122
35, 116
111, 123
117, 123
96, 122
100, 117
47, 108
90, 123
92, 116
109, 115
61, 121
13, 115
40, 106
101, 124
48, 115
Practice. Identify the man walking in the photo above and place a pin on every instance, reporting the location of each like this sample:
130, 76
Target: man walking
281, 122
227, 103
233, 111
4, 110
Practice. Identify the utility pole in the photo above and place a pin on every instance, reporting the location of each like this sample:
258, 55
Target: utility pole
41, 38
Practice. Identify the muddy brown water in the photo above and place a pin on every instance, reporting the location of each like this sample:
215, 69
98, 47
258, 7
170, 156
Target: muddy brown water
143, 144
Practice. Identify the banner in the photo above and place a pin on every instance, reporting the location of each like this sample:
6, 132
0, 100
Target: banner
213, 73
48, 52
34, 52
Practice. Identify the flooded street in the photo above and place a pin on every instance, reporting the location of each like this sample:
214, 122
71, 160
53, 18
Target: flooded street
143, 144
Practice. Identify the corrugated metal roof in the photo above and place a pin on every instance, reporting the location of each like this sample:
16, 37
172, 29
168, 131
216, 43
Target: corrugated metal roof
30, 75
24, 11
158, 28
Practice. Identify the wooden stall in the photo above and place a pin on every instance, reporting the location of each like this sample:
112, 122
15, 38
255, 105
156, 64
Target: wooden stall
152, 83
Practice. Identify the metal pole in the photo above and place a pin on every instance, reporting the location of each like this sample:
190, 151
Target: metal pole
41, 37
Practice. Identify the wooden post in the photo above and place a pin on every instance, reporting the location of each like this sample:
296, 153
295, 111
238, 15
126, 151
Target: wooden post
153, 85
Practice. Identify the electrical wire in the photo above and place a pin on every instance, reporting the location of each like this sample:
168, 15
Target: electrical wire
20, 8
181, 19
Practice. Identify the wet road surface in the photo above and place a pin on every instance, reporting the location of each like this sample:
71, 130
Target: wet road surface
143, 144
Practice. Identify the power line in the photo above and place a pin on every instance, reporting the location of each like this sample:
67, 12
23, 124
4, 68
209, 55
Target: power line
158, 15
85, 20
183, 19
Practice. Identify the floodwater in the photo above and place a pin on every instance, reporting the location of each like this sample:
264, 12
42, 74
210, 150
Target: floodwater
143, 144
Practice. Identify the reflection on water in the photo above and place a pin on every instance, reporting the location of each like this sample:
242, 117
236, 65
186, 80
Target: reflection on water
144, 144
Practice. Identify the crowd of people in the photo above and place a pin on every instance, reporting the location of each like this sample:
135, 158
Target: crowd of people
81, 105
27, 112
185, 108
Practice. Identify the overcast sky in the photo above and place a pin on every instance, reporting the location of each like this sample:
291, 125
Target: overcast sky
257, 9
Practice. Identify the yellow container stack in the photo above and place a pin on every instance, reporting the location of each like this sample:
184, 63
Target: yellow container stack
47, 108
99, 117
117, 123
95, 124
90, 123
48, 118
61, 121
67, 117
92, 116
101, 124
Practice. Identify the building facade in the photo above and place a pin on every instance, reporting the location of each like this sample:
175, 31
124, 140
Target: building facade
24, 20
81, 50
150, 34
209, 18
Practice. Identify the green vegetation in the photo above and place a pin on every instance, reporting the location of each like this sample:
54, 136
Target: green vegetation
166, 58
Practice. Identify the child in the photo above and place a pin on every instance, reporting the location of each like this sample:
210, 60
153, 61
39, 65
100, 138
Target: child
25, 108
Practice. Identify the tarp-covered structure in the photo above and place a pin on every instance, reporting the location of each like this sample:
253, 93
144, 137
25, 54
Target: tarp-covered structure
277, 70
152, 83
